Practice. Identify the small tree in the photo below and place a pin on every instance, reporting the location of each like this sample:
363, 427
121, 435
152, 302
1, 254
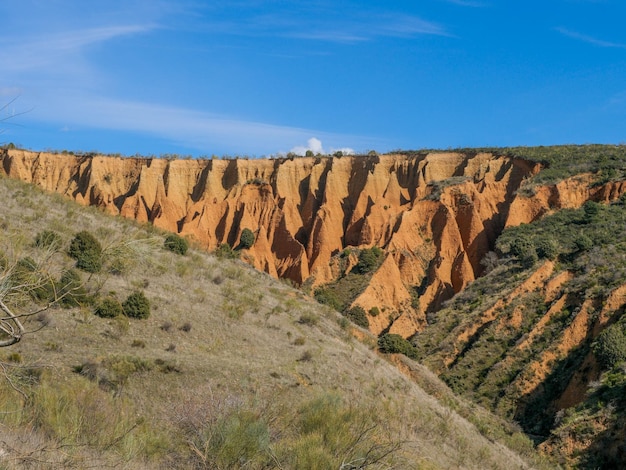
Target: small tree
87, 252
591, 211
136, 306
247, 238
176, 244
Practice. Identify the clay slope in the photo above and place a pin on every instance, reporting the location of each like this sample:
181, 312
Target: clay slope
435, 215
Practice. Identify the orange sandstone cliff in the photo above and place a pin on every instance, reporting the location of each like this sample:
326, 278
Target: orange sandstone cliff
434, 214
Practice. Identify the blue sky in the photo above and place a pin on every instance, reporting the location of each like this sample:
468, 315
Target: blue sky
252, 77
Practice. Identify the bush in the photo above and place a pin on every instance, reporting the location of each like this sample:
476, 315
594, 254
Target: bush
523, 248
247, 238
176, 244
547, 248
610, 347
583, 242
357, 316
71, 289
87, 252
109, 308
326, 296
48, 239
136, 306
369, 260
591, 210
391, 343
224, 251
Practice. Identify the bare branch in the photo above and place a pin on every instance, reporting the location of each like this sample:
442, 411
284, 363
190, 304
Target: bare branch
15, 334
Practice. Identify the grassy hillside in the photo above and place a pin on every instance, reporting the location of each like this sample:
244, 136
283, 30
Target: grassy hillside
230, 369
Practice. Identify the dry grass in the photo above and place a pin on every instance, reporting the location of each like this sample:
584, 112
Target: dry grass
228, 354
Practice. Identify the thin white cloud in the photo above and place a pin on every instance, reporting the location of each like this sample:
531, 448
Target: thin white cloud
26, 54
193, 129
365, 26
590, 39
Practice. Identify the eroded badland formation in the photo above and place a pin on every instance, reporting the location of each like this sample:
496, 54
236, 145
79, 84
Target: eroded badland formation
435, 215
518, 340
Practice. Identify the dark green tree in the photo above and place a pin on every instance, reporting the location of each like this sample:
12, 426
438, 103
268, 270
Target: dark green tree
136, 306
87, 252
610, 346
247, 238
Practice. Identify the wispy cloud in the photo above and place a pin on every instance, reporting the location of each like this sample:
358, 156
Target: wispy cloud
34, 53
335, 27
590, 39
190, 128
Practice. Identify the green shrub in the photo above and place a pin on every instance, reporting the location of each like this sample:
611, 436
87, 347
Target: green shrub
547, 248
72, 291
136, 306
247, 238
48, 239
591, 210
521, 246
87, 252
357, 316
374, 311
176, 244
391, 343
327, 297
610, 347
369, 260
109, 307
224, 251
583, 242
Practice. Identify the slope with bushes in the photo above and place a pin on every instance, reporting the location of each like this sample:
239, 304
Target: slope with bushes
540, 338
230, 369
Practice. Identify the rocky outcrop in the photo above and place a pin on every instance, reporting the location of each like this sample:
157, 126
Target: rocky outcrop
435, 215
